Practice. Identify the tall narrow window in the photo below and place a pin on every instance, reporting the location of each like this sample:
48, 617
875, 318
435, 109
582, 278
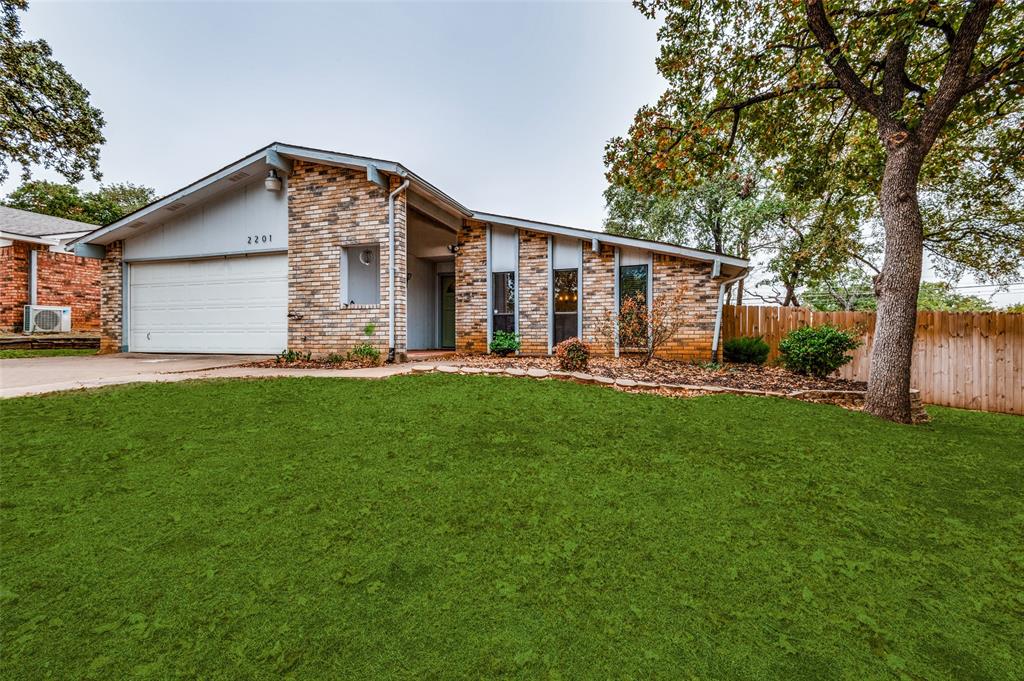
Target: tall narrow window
633, 331
503, 290
632, 282
566, 302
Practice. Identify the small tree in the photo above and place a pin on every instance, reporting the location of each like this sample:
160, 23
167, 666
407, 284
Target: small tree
645, 329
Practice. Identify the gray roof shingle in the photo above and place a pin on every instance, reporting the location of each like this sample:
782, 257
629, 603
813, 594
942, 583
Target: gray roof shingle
27, 223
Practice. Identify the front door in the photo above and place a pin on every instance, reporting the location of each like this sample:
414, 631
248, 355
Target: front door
447, 310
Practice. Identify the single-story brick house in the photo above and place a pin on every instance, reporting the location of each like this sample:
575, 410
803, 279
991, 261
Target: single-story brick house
35, 269
291, 247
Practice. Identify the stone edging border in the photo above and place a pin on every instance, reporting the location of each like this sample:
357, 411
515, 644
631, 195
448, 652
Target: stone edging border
852, 398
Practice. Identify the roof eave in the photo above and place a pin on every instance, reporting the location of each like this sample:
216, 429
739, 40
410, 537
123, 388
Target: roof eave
618, 240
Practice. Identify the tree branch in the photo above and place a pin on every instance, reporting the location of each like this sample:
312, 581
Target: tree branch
848, 79
955, 77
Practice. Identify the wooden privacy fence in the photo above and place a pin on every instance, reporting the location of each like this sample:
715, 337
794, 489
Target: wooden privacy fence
972, 360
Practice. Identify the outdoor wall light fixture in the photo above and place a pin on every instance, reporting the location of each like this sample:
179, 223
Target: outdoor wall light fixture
454, 248
273, 181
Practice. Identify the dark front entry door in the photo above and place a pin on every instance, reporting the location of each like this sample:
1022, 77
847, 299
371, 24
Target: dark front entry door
447, 310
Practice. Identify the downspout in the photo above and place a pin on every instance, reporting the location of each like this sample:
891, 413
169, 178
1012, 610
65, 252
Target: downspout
33, 270
718, 315
391, 269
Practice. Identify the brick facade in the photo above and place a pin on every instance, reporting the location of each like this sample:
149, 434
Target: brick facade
598, 299
62, 279
692, 342
329, 209
471, 288
111, 338
533, 292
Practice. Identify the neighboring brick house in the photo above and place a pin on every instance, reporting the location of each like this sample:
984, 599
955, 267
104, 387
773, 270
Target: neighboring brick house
36, 270
291, 247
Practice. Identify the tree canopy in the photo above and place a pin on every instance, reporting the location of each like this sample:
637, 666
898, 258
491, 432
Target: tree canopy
753, 75
897, 99
45, 115
101, 207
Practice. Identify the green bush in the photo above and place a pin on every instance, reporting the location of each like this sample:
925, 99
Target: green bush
745, 350
818, 350
504, 343
287, 356
573, 355
365, 354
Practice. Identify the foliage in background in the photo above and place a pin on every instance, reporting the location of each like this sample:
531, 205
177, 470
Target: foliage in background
1016, 308
818, 350
45, 115
106, 205
573, 355
327, 529
852, 291
505, 343
745, 350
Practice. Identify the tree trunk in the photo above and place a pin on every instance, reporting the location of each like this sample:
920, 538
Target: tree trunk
896, 286
739, 292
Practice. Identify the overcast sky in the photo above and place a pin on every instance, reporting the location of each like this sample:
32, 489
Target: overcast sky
505, 106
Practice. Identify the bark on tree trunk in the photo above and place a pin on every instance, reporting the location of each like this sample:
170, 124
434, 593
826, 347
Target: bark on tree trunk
896, 287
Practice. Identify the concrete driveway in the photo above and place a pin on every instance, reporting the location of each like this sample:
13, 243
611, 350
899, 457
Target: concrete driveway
36, 375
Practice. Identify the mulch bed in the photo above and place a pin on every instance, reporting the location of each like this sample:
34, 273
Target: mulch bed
663, 371
744, 376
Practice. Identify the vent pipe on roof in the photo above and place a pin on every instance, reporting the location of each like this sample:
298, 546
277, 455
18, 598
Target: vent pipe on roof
391, 269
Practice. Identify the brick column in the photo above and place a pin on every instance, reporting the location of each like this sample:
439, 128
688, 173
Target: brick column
533, 292
111, 299
471, 288
598, 298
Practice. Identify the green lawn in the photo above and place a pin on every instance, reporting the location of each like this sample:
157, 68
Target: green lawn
55, 352
474, 527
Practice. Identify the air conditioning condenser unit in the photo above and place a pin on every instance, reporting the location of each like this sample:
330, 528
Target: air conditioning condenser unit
47, 319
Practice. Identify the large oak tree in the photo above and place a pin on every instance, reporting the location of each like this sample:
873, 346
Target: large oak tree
45, 115
898, 98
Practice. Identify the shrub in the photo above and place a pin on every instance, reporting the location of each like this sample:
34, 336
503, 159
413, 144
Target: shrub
745, 350
573, 355
287, 356
504, 343
365, 354
817, 350
645, 329
335, 358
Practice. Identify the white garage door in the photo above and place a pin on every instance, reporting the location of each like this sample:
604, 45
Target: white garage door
231, 305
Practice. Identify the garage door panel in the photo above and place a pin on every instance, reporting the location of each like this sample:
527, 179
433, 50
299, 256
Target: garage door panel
237, 305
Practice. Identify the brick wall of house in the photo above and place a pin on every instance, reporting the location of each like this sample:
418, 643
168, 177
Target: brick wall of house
61, 279
598, 299
13, 285
471, 288
331, 208
70, 280
692, 342
110, 298
533, 292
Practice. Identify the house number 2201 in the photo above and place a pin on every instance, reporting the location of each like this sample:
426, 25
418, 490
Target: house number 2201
261, 238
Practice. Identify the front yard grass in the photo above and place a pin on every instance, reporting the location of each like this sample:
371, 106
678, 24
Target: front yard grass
17, 353
475, 527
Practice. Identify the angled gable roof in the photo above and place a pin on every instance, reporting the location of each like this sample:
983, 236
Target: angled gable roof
278, 155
